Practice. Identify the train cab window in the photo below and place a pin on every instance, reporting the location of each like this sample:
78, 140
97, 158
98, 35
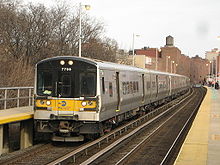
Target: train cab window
44, 83
66, 86
87, 84
110, 89
72, 81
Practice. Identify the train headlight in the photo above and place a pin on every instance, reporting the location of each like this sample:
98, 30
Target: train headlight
62, 62
84, 103
48, 103
70, 62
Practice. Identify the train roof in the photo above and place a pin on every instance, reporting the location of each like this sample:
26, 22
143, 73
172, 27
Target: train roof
106, 65
99, 63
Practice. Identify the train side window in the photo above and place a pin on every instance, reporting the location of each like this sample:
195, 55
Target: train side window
131, 87
137, 86
124, 88
134, 87
153, 84
128, 89
110, 89
159, 85
148, 85
103, 85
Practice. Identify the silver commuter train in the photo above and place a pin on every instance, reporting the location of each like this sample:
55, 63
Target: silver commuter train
77, 97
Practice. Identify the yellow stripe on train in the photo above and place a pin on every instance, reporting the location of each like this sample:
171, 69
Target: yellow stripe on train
65, 105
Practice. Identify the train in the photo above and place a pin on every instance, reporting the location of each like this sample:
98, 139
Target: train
78, 98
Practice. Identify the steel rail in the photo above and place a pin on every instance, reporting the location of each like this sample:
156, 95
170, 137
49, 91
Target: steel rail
152, 133
182, 131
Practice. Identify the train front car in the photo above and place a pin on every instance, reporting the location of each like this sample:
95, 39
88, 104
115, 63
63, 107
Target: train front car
66, 102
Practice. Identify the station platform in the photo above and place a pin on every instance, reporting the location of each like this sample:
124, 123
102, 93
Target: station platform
202, 144
16, 114
22, 115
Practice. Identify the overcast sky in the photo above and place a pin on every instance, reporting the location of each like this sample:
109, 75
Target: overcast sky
194, 24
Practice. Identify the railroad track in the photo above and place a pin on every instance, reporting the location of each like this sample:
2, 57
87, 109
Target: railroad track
169, 158
96, 151
39, 154
160, 143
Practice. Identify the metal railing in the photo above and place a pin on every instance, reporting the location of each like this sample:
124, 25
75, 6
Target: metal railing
11, 97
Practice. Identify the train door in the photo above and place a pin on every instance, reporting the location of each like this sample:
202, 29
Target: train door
143, 91
157, 86
169, 85
118, 90
64, 88
149, 86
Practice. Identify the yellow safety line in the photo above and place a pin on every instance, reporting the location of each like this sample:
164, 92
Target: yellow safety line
194, 150
15, 117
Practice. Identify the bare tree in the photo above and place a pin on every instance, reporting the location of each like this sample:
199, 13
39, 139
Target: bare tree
33, 32
11, 30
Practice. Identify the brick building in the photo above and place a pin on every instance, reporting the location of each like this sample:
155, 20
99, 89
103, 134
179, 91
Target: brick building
218, 65
213, 56
199, 69
150, 57
170, 59
210, 55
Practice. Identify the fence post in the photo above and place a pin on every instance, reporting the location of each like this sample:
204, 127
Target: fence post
29, 97
5, 101
18, 99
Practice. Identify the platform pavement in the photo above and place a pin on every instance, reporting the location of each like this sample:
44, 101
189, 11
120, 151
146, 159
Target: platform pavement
24, 115
202, 144
16, 114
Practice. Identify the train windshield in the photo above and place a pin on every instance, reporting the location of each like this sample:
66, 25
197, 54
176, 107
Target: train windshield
44, 83
77, 81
